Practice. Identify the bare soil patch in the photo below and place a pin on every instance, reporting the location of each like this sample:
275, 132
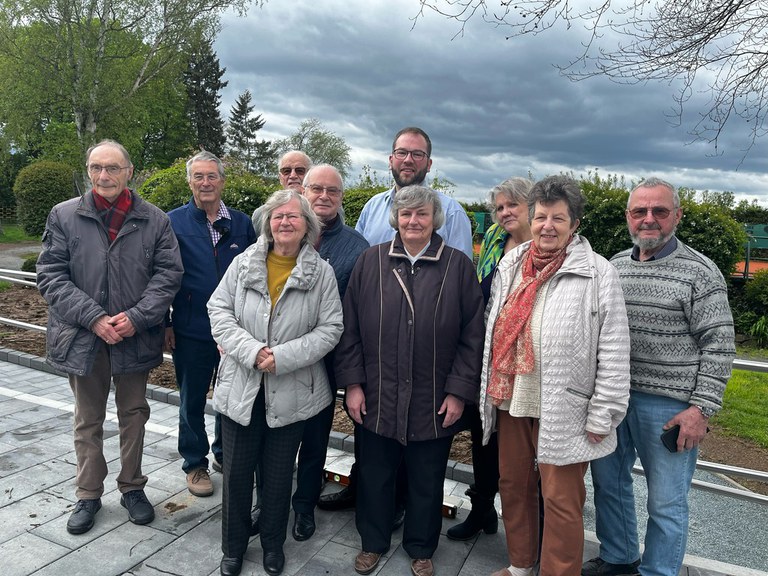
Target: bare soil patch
26, 305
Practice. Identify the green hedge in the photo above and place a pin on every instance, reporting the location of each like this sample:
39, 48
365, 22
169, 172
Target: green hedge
38, 188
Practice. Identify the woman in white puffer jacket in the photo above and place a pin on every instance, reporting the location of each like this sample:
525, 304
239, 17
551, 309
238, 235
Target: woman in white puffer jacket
555, 380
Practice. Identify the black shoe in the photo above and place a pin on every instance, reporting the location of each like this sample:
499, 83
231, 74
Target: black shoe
599, 567
303, 526
341, 500
217, 466
140, 511
231, 566
81, 519
487, 522
399, 519
255, 514
274, 562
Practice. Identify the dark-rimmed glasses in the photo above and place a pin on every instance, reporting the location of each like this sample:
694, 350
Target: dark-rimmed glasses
402, 154
95, 169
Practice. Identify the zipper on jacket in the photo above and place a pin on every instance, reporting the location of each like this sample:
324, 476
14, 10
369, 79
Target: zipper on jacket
577, 392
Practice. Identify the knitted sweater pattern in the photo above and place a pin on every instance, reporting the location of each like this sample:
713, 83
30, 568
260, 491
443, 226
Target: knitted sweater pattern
681, 327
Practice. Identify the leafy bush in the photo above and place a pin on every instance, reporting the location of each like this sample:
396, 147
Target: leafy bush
756, 293
604, 224
759, 331
29, 264
167, 189
38, 188
711, 230
354, 200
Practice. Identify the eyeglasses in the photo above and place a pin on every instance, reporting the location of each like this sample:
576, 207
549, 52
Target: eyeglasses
286, 170
658, 212
332, 191
95, 169
290, 216
402, 154
213, 177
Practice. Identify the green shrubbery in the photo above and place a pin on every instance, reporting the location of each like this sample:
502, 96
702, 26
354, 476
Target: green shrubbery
38, 188
29, 264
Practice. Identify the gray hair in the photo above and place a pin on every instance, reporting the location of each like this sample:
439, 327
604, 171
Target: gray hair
282, 197
516, 189
307, 159
305, 183
113, 144
555, 188
411, 197
653, 182
205, 156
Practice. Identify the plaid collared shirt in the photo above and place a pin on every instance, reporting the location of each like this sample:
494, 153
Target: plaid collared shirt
215, 234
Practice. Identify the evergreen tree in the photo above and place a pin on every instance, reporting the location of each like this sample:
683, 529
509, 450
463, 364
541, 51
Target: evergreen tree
203, 81
241, 131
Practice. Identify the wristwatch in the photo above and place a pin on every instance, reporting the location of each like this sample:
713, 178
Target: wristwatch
706, 412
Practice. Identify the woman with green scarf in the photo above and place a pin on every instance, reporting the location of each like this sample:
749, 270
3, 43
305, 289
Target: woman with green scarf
508, 203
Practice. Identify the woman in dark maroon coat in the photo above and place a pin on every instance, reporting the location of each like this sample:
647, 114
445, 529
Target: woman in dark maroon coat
410, 359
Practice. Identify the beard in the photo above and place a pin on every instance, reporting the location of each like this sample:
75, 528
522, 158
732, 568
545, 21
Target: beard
417, 178
646, 244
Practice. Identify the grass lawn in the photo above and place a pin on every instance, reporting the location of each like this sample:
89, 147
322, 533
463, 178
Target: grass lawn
745, 407
12, 233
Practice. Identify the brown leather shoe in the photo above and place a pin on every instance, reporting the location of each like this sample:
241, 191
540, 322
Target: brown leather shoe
366, 562
199, 482
422, 567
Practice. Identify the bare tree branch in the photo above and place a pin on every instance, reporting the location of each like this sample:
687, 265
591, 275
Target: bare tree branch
718, 49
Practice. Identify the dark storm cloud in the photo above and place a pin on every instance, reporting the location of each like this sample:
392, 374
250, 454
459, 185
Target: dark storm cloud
493, 107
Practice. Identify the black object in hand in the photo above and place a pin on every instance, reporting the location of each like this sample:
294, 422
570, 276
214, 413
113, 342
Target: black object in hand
669, 438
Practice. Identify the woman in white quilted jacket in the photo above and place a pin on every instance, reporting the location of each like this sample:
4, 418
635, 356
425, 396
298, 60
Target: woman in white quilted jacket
555, 380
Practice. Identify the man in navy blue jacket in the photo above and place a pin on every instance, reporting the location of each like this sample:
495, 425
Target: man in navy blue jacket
210, 235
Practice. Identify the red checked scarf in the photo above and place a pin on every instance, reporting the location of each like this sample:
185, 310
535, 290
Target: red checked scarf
113, 215
512, 341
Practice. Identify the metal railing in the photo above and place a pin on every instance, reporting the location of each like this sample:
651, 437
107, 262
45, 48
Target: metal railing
722, 470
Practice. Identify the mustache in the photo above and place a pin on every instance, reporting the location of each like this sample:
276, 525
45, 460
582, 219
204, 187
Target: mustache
654, 226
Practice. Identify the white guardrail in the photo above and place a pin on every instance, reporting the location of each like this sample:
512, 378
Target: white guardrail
722, 470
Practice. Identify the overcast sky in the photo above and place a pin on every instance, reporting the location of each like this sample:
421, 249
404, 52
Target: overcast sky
494, 108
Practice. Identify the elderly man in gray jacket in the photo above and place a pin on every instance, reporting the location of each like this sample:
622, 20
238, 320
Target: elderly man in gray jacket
109, 268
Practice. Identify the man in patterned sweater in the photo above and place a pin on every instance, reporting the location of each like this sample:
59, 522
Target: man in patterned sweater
682, 347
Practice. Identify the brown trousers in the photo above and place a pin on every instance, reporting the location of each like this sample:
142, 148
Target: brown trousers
91, 394
563, 491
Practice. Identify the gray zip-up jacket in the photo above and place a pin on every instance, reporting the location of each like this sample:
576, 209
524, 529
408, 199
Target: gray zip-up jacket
303, 327
83, 277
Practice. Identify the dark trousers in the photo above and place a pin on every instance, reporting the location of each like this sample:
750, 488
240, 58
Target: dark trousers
195, 362
424, 464
274, 451
485, 459
309, 474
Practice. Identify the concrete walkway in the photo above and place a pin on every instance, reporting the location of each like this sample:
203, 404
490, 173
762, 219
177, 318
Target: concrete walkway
37, 469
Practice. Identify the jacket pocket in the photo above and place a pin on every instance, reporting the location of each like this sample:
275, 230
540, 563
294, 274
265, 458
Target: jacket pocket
150, 344
60, 337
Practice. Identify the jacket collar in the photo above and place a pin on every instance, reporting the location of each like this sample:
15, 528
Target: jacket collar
139, 207
579, 257
253, 268
433, 253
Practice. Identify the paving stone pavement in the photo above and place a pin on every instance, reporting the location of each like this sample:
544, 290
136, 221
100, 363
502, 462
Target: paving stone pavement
37, 469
